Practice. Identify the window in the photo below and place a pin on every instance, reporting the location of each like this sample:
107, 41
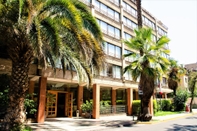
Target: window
148, 22
108, 11
116, 71
108, 29
129, 9
161, 31
127, 36
127, 75
129, 23
117, 33
112, 50
118, 52
130, 59
164, 81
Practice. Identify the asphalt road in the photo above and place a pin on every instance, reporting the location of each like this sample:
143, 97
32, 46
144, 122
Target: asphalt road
179, 124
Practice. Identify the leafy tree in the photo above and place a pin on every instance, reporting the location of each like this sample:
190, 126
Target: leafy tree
192, 86
180, 99
175, 72
148, 64
46, 30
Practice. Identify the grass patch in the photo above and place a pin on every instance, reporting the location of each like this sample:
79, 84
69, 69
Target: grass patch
163, 113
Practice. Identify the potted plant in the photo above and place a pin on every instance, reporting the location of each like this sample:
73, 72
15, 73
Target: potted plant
86, 109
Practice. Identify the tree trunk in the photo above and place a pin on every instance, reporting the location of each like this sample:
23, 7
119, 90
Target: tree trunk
15, 115
191, 103
139, 14
147, 83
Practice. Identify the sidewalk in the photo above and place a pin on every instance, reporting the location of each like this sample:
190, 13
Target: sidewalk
104, 123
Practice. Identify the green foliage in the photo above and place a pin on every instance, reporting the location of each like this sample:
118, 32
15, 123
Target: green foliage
136, 107
155, 106
120, 102
87, 106
180, 99
164, 105
30, 106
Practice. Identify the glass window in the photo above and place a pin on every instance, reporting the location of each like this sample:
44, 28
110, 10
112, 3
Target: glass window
103, 26
110, 13
117, 16
124, 5
110, 30
111, 49
97, 4
124, 20
116, 71
103, 7
118, 52
117, 2
117, 33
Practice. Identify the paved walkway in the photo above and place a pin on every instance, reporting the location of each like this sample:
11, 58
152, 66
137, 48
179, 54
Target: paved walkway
104, 123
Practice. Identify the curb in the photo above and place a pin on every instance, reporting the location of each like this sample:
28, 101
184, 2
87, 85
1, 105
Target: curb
167, 119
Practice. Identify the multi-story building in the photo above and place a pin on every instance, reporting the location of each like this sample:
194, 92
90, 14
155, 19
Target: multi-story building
117, 19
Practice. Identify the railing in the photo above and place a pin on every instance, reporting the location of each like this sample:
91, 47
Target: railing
113, 109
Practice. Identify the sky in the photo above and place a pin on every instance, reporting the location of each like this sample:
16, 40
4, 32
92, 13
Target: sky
180, 16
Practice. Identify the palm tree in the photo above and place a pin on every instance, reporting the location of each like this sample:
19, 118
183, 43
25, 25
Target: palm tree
192, 86
148, 64
174, 75
46, 30
139, 13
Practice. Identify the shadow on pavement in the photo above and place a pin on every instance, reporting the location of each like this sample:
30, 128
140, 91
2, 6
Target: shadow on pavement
62, 125
177, 127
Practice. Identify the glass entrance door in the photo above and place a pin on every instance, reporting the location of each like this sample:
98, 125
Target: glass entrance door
51, 105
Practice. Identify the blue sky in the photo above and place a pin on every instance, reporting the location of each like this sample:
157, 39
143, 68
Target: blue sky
180, 16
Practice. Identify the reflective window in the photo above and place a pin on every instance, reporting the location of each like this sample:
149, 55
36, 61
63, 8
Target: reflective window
129, 23
127, 36
129, 9
116, 71
129, 59
107, 11
112, 50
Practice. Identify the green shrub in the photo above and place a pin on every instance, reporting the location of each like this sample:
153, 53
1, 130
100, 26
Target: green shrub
179, 100
120, 102
155, 106
87, 107
136, 107
166, 105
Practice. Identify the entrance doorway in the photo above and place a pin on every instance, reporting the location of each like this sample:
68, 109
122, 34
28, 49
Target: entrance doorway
59, 104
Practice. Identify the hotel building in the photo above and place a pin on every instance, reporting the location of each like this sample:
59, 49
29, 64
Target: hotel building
117, 19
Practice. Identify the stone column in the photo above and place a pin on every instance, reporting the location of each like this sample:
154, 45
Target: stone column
80, 99
96, 101
129, 101
41, 99
113, 100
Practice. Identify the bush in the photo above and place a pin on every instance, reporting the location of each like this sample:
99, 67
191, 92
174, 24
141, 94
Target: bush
166, 105
179, 100
155, 106
120, 102
87, 107
136, 107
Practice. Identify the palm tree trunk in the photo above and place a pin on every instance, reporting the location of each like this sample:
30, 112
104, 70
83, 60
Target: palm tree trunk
147, 84
139, 14
15, 115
